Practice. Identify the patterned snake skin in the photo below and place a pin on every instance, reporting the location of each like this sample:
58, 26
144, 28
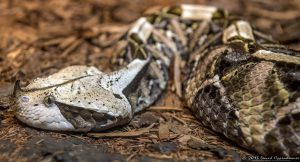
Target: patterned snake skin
237, 81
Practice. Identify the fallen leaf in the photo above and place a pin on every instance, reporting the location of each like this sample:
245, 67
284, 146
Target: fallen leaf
147, 119
184, 139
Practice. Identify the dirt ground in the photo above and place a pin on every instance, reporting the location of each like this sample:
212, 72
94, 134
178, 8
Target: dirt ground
38, 38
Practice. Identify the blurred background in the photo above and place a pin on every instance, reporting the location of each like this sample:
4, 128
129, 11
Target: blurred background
58, 26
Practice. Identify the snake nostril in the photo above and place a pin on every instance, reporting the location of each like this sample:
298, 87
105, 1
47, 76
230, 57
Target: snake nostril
25, 98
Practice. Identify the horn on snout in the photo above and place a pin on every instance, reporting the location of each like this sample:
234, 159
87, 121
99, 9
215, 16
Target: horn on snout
17, 88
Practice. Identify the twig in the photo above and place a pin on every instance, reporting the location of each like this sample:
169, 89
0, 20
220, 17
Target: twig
39, 141
132, 133
178, 31
165, 108
264, 36
72, 47
164, 39
177, 74
178, 119
195, 37
275, 15
159, 156
132, 155
207, 43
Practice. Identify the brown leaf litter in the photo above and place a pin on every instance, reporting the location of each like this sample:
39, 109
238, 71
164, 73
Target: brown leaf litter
38, 38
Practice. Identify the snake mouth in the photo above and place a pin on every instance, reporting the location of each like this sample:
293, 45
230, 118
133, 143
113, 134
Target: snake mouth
61, 117
43, 117
85, 120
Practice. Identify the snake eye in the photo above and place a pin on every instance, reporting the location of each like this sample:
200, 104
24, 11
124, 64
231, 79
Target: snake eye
49, 100
25, 99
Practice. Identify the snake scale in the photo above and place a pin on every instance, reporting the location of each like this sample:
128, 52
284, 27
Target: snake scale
238, 81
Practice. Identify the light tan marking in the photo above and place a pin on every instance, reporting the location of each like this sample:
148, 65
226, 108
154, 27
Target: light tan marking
197, 12
142, 28
272, 56
239, 29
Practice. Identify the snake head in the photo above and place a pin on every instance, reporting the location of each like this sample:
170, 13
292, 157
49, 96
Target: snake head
84, 101
37, 108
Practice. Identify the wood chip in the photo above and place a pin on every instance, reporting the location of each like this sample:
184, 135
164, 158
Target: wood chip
163, 131
13, 54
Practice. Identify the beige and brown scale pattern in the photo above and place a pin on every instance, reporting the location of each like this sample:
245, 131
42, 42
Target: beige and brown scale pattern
237, 82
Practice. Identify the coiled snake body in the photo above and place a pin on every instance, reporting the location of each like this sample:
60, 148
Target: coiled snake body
237, 81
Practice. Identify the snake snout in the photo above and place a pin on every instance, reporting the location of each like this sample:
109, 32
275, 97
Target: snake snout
41, 113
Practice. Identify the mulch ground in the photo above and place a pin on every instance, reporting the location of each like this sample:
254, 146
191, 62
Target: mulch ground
38, 38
